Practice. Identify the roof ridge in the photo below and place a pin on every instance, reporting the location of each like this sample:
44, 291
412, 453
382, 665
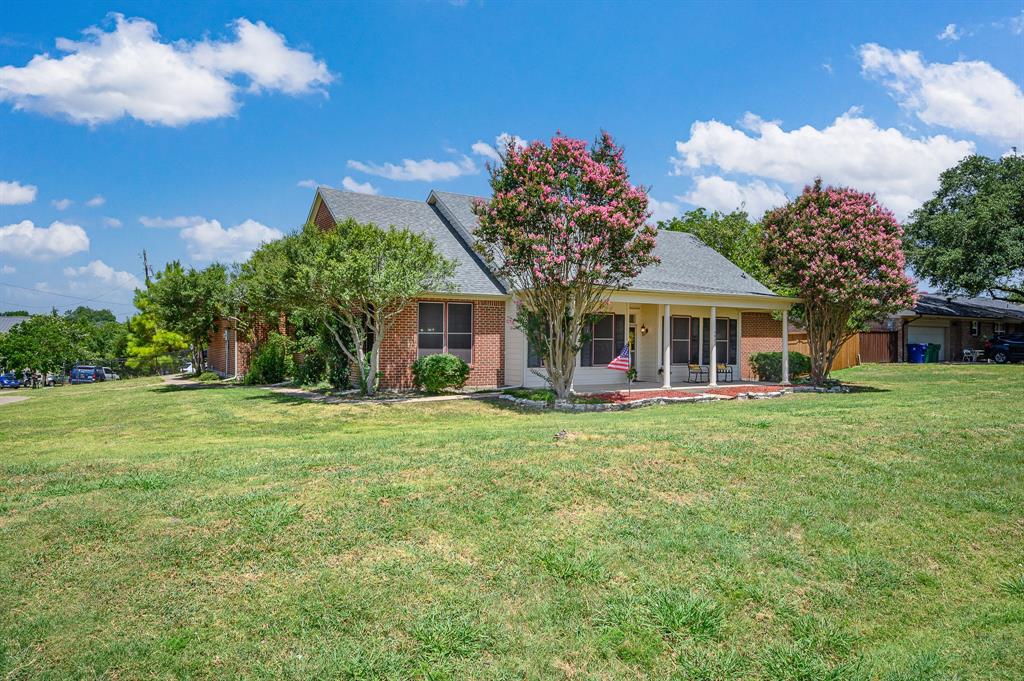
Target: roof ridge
371, 196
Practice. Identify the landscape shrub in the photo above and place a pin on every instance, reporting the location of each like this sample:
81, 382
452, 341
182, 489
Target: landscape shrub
208, 377
768, 365
271, 362
435, 373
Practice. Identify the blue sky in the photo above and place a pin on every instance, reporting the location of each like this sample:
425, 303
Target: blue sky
193, 129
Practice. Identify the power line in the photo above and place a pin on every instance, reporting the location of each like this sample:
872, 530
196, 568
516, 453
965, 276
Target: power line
65, 295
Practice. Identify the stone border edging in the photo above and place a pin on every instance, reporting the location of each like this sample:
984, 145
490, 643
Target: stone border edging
634, 404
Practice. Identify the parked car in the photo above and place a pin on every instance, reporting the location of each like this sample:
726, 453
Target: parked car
87, 374
1003, 349
9, 380
109, 375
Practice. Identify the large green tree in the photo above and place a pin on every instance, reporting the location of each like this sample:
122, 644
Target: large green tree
189, 301
353, 279
733, 235
149, 348
969, 237
46, 343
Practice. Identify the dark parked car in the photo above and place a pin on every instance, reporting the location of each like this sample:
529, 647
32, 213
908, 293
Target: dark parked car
86, 374
1003, 349
9, 380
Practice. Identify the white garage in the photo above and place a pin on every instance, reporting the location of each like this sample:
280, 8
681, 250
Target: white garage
929, 334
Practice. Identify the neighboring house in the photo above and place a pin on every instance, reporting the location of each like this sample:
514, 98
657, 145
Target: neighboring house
8, 323
955, 324
712, 310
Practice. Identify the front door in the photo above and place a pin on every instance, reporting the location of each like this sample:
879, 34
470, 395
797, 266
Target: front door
632, 345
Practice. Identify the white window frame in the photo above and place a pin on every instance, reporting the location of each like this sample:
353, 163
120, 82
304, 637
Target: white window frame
975, 328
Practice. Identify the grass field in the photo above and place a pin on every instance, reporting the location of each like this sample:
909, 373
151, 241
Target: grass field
153, 532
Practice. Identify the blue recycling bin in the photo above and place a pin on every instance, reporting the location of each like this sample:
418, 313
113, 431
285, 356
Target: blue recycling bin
916, 352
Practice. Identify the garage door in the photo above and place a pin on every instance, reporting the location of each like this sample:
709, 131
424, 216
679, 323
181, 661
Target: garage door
928, 334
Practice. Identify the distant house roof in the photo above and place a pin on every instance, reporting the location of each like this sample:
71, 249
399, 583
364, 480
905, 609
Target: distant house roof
687, 264
8, 323
930, 304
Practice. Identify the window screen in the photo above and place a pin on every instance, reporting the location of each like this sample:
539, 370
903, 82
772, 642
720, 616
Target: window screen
680, 340
460, 330
431, 331
604, 340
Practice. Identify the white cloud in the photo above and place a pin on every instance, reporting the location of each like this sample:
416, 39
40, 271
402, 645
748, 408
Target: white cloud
208, 240
661, 210
16, 193
951, 32
1017, 24
96, 201
7, 269
25, 240
718, 193
62, 204
112, 222
426, 170
99, 272
481, 148
178, 222
965, 95
852, 151
827, 67
130, 72
359, 187
307, 184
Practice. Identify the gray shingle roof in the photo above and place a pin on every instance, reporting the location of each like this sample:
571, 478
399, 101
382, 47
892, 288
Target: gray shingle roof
977, 308
687, 264
422, 218
8, 323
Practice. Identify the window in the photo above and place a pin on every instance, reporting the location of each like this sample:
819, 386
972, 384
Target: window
999, 328
975, 328
725, 340
446, 327
607, 336
681, 340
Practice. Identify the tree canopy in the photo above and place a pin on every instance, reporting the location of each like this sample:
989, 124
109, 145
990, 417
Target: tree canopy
841, 252
969, 237
188, 302
564, 226
46, 343
354, 279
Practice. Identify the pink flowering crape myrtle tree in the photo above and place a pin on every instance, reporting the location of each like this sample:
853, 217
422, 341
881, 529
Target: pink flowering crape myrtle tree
841, 252
563, 228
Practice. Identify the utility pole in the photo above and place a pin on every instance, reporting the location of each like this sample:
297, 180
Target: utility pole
145, 266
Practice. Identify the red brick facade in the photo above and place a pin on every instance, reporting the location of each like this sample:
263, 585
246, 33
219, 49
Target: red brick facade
760, 333
399, 349
220, 353
323, 218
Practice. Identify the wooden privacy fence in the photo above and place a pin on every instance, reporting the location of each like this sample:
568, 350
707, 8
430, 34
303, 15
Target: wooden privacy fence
878, 346
849, 354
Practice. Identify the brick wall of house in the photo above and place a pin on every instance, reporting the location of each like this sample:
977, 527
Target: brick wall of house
323, 218
399, 349
220, 354
760, 333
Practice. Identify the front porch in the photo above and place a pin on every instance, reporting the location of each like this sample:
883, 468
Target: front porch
704, 341
653, 386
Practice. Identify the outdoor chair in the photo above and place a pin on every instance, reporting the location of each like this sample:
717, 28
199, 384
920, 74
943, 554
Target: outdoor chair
698, 373
725, 370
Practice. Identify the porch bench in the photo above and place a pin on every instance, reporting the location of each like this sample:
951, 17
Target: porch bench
725, 370
697, 370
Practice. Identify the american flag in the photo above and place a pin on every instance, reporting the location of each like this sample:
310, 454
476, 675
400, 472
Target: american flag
621, 363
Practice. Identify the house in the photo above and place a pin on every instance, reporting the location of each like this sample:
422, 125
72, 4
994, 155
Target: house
955, 324
694, 307
8, 322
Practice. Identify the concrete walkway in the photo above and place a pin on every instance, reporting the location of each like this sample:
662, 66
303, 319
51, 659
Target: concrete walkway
11, 399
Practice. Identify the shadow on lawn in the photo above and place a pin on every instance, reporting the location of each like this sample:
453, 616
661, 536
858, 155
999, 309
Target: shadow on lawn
180, 387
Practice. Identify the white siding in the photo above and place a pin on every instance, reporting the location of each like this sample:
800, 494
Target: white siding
515, 347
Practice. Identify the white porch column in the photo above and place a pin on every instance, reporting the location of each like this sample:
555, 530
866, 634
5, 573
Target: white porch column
666, 326
713, 361
785, 347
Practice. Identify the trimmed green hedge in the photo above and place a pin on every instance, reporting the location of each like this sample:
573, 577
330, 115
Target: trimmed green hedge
768, 365
271, 363
435, 373
208, 377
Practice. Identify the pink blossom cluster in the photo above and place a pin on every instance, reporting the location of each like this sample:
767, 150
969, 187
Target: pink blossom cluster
564, 213
839, 247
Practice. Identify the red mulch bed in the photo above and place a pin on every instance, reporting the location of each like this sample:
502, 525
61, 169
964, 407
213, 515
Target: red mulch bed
727, 391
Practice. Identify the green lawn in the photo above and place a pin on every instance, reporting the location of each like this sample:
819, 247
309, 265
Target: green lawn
150, 532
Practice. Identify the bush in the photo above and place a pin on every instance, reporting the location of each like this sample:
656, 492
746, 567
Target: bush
321, 360
208, 377
271, 363
768, 365
435, 373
